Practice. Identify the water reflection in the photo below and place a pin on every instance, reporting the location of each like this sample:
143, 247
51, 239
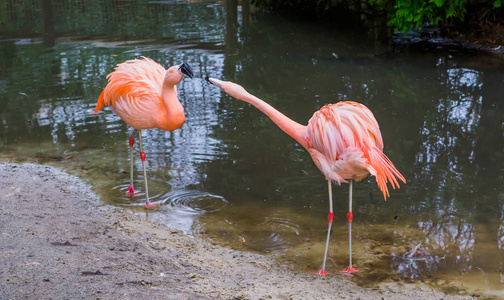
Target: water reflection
444, 244
229, 174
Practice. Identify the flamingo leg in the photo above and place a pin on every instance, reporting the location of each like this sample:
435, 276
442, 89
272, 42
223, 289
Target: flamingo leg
131, 190
330, 218
350, 269
148, 204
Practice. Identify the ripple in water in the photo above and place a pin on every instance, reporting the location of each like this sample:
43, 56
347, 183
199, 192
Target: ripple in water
193, 202
182, 201
180, 209
136, 200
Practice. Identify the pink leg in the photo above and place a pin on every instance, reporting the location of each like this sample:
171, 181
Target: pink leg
330, 218
131, 190
350, 269
148, 204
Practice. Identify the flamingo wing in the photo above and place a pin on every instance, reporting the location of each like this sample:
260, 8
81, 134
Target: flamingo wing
134, 81
345, 142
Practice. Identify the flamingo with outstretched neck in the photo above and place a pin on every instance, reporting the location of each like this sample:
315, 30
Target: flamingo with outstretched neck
344, 141
144, 95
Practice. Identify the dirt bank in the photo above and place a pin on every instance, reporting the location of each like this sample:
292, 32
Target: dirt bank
58, 241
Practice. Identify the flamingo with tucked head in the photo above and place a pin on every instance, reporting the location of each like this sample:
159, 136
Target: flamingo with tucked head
144, 95
344, 141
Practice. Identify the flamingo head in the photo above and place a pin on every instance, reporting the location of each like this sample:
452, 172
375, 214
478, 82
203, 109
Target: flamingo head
175, 73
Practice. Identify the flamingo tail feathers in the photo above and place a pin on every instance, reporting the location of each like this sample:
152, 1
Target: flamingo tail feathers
100, 104
385, 171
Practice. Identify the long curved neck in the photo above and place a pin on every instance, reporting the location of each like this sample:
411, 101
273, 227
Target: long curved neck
292, 128
175, 111
170, 95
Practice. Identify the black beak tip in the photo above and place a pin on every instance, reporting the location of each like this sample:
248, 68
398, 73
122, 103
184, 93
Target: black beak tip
208, 80
186, 69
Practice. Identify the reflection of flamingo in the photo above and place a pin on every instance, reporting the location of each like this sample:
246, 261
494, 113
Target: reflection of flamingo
344, 141
144, 95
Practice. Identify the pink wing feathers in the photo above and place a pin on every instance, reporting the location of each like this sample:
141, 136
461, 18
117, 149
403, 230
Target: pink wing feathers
345, 142
134, 80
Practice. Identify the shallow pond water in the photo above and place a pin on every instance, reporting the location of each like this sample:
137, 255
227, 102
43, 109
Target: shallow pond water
229, 174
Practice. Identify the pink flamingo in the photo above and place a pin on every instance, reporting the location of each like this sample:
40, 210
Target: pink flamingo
344, 141
144, 95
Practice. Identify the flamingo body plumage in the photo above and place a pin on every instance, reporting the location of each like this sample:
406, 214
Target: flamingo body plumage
135, 93
344, 141
144, 95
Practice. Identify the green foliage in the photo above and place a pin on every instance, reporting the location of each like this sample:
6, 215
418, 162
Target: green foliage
408, 14
402, 15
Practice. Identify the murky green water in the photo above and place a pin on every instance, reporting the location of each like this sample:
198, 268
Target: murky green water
230, 175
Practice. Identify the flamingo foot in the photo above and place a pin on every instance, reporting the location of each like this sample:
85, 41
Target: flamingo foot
350, 270
150, 205
131, 191
320, 272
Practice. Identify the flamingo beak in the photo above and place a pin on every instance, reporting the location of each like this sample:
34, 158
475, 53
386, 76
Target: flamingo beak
186, 69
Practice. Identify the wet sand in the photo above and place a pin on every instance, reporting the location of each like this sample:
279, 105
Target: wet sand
58, 241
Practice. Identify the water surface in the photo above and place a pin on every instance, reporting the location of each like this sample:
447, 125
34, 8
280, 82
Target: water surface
229, 174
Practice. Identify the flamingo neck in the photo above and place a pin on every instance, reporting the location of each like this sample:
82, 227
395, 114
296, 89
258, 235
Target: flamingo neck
174, 117
292, 128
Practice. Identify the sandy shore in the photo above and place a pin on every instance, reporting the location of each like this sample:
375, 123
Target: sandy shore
58, 241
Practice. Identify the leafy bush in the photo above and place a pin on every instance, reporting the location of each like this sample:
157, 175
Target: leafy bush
402, 15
